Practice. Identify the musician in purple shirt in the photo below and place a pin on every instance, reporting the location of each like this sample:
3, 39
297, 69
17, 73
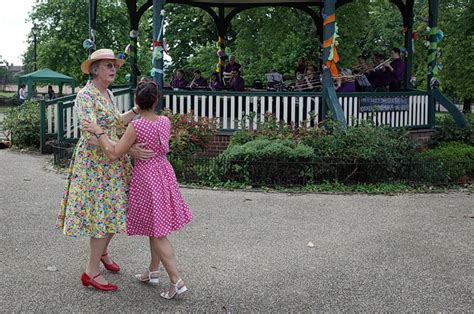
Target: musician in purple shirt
237, 83
346, 82
232, 65
215, 84
378, 78
395, 70
198, 81
179, 81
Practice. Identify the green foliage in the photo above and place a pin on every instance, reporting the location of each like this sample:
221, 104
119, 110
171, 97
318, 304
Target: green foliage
62, 28
456, 20
190, 32
276, 160
23, 123
189, 136
447, 131
447, 162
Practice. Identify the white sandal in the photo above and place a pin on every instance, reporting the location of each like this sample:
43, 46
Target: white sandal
177, 290
150, 279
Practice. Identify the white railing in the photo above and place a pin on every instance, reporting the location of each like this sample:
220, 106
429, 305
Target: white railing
70, 118
298, 109
233, 109
415, 116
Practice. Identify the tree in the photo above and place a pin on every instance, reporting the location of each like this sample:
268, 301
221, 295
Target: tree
458, 50
63, 26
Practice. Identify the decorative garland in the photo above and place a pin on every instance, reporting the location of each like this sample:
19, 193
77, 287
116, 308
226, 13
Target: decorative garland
158, 48
332, 43
436, 35
220, 53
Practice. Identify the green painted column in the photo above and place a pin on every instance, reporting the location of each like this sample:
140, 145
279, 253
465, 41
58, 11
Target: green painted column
329, 93
133, 58
158, 22
432, 51
408, 25
92, 19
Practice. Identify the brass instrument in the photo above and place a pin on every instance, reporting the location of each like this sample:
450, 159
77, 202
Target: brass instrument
380, 65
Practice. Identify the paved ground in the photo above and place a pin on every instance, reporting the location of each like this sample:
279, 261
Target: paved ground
247, 251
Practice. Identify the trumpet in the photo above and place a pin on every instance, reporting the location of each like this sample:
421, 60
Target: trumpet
361, 68
380, 65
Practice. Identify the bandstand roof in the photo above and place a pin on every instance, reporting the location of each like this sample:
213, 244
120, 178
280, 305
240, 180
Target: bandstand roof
233, 3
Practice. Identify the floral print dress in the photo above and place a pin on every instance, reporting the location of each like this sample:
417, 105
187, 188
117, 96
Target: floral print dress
95, 197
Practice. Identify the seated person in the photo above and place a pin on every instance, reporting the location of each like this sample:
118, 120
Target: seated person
215, 84
198, 81
301, 67
179, 81
378, 76
229, 67
237, 83
273, 79
311, 81
346, 84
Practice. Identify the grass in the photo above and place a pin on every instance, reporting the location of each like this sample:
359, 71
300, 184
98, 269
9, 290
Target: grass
7, 94
4, 109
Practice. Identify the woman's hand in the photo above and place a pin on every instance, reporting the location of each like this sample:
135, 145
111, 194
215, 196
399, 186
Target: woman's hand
138, 152
136, 109
91, 127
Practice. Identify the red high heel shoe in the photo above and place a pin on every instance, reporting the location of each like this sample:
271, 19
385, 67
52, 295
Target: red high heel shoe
113, 267
88, 281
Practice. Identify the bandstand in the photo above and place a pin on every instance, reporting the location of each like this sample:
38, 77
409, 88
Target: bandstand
416, 112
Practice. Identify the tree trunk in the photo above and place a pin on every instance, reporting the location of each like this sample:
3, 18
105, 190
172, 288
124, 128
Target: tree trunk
466, 108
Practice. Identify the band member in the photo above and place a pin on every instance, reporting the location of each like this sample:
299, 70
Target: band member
179, 81
198, 81
361, 68
237, 83
395, 71
311, 81
378, 76
301, 67
346, 84
215, 84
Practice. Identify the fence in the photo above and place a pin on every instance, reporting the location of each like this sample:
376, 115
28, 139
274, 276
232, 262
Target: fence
276, 173
59, 120
296, 108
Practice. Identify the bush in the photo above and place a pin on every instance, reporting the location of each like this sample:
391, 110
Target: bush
447, 162
375, 152
447, 131
189, 136
360, 152
24, 124
264, 161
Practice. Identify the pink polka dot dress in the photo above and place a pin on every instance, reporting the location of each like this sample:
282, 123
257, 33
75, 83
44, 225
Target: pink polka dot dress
155, 205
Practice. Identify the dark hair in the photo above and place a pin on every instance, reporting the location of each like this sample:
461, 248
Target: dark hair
379, 56
146, 94
396, 50
22, 85
197, 72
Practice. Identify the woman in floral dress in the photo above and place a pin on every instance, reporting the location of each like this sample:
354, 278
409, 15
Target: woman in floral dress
95, 197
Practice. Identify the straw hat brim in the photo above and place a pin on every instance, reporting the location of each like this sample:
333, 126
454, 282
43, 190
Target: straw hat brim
86, 65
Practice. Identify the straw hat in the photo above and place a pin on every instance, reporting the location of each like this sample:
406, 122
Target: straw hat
101, 54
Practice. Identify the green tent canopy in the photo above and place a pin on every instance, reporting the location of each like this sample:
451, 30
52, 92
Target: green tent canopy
46, 75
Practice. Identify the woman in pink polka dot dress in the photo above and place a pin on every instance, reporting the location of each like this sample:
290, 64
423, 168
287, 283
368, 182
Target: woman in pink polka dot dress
155, 205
